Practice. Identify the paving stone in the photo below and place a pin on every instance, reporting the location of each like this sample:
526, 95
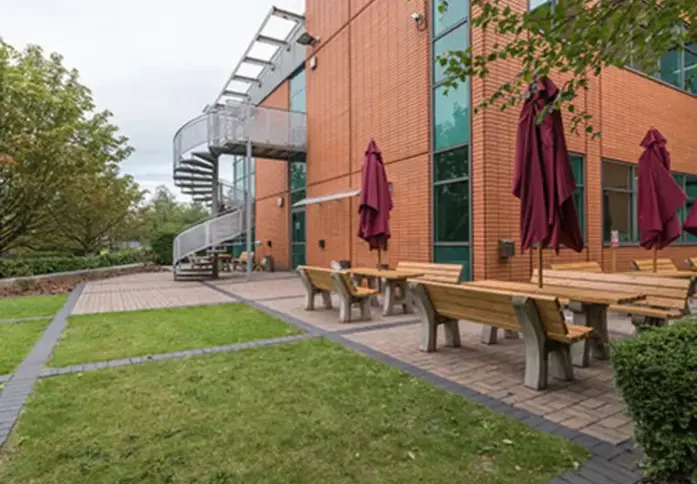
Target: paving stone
612, 471
575, 478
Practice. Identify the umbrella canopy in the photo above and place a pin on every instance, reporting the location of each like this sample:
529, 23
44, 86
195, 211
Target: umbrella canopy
376, 200
659, 197
544, 181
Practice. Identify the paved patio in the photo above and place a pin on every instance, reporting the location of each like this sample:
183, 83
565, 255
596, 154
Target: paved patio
590, 404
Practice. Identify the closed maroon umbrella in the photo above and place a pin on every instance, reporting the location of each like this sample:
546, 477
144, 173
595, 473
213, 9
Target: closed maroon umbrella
544, 181
659, 196
376, 201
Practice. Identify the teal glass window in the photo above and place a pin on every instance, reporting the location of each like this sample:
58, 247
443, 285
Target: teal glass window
454, 254
298, 92
457, 11
298, 229
671, 67
619, 201
691, 68
451, 207
688, 183
458, 39
451, 165
451, 117
298, 175
535, 4
578, 167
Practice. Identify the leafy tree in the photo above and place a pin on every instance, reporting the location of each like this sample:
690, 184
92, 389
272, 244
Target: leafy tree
90, 212
575, 39
49, 134
164, 214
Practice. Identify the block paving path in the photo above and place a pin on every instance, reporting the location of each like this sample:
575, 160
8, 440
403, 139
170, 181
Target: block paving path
588, 410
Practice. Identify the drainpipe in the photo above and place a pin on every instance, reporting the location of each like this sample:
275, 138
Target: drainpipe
215, 209
248, 208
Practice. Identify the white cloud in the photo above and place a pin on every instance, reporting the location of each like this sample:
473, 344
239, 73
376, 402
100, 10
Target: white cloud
153, 63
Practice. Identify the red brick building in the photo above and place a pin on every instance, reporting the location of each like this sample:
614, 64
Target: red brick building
370, 74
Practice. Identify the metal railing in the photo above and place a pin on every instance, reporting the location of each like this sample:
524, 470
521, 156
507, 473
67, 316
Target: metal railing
208, 233
236, 122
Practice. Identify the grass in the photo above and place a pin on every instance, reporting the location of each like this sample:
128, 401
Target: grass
16, 340
31, 306
302, 412
100, 337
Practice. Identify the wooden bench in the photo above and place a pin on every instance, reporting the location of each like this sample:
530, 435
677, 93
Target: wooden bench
666, 297
590, 266
662, 265
538, 317
692, 262
445, 273
318, 280
240, 263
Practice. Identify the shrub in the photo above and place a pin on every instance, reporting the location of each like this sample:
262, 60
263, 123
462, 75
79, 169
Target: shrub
162, 247
23, 267
656, 373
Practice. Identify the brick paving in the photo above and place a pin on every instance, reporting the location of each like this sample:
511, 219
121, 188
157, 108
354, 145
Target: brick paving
588, 410
144, 291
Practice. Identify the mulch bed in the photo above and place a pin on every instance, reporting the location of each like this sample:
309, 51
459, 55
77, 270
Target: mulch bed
66, 284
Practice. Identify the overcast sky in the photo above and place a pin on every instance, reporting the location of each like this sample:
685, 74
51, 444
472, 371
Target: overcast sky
154, 63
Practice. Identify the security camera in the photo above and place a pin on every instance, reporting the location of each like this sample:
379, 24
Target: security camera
416, 17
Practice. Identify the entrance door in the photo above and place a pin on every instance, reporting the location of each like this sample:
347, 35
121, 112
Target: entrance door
298, 240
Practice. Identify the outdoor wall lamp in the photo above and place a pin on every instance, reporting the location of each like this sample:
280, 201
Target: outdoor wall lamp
322, 244
420, 19
268, 243
307, 39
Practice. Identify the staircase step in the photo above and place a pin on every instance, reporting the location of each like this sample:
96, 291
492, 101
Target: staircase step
205, 155
180, 177
205, 165
193, 171
194, 190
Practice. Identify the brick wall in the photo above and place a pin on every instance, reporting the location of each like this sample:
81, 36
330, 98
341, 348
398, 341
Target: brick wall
371, 80
271, 183
624, 106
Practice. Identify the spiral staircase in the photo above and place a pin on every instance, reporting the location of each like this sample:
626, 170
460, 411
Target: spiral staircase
238, 129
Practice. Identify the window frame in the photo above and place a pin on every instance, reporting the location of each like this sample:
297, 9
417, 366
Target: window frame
584, 198
632, 191
683, 240
466, 245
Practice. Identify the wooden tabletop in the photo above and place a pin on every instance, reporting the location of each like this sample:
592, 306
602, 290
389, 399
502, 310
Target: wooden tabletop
669, 274
571, 293
386, 273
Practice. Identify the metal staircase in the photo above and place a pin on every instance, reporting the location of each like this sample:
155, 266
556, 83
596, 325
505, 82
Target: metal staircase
235, 125
235, 129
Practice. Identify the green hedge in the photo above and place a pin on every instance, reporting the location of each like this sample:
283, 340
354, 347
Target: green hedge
657, 375
22, 267
162, 247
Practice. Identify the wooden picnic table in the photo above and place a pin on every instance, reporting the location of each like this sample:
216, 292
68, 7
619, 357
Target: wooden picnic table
396, 291
589, 309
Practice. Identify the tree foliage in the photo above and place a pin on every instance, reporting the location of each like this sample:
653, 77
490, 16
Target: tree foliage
51, 142
164, 214
576, 39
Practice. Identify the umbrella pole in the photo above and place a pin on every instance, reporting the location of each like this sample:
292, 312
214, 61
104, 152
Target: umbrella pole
655, 260
539, 265
379, 259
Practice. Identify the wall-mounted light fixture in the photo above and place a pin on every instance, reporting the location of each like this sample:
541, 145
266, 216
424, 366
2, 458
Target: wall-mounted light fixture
307, 39
268, 243
279, 202
421, 19
322, 244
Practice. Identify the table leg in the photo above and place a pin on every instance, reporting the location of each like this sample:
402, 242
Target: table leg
407, 298
600, 342
595, 316
388, 298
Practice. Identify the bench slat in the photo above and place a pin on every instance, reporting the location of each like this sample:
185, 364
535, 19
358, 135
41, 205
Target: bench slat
662, 265
447, 273
579, 266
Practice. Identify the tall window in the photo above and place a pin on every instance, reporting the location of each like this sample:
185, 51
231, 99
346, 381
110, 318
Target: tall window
297, 177
297, 91
451, 136
239, 176
689, 185
578, 167
619, 201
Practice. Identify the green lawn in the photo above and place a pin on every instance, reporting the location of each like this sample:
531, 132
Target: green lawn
99, 337
16, 340
30, 306
307, 412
